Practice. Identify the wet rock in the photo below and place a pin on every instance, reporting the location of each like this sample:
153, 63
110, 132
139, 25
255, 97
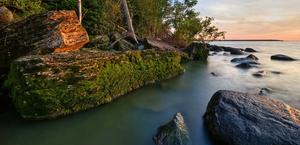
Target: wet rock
215, 74
282, 57
276, 72
173, 133
250, 50
265, 91
245, 65
235, 118
260, 74
252, 59
197, 51
215, 48
234, 51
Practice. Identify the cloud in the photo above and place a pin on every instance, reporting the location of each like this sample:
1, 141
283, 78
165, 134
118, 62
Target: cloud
278, 19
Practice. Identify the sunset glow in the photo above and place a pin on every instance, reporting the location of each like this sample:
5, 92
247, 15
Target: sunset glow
248, 19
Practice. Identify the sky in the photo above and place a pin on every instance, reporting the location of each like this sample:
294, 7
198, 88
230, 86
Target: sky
254, 19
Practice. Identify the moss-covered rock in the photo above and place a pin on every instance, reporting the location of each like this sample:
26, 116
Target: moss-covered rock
197, 51
49, 86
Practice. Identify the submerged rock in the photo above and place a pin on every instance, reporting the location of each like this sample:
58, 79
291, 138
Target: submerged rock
260, 74
215, 48
265, 91
234, 51
276, 72
235, 118
173, 133
245, 65
282, 57
215, 74
252, 59
250, 50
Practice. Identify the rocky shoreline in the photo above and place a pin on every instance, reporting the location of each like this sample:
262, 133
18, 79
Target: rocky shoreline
64, 78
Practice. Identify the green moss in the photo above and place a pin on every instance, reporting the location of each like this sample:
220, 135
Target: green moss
47, 91
201, 54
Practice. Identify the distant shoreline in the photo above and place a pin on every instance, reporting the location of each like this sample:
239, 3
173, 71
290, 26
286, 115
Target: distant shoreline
250, 40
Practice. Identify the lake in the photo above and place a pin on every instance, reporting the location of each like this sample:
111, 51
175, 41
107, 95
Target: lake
134, 118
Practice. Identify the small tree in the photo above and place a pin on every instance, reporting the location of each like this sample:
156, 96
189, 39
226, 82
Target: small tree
208, 31
189, 26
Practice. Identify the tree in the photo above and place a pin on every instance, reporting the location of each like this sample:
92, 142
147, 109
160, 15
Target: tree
189, 26
208, 32
130, 28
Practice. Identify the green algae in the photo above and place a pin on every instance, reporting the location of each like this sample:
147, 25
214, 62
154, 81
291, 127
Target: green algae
45, 87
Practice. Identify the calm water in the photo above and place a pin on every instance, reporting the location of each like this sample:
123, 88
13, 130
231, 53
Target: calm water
134, 118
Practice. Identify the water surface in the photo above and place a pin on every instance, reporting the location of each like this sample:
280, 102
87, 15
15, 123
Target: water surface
134, 118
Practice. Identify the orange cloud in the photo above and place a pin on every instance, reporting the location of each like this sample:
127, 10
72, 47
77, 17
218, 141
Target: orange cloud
248, 19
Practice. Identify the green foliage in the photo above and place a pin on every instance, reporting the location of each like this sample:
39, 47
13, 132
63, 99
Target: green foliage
23, 8
189, 26
86, 84
151, 18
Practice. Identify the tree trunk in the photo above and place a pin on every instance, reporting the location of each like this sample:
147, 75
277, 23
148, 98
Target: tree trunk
80, 11
128, 19
54, 31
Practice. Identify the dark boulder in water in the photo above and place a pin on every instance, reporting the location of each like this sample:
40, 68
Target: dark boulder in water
276, 72
250, 50
251, 59
235, 118
234, 51
260, 74
215, 48
245, 65
265, 91
173, 133
282, 57
215, 74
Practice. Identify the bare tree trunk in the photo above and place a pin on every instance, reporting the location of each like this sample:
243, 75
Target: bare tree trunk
79, 10
128, 19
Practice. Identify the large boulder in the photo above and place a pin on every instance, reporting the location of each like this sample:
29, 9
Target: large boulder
235, 118
282, 57
197, 51
6, 16
48, 86
173, 133
54, 31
